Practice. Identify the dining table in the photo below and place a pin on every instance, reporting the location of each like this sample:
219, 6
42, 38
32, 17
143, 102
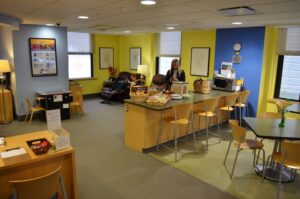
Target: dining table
269, 129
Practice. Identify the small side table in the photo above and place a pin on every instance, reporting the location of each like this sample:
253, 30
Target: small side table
6, 113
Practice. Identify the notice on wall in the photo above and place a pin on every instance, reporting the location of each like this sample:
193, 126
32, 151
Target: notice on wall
53, 120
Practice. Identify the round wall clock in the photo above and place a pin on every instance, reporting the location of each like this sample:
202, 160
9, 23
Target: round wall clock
237, 47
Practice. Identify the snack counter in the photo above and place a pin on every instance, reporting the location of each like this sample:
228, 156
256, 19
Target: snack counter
142, 121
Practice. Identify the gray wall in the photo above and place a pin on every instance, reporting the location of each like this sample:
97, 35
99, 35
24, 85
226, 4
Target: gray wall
26, 85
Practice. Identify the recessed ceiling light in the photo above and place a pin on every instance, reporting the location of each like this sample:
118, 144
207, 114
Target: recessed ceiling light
50, 24
82, 17
127, 31
170, 28
237, 23
148, 2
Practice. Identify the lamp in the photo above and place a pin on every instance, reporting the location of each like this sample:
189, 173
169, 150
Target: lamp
142, 69
4, 68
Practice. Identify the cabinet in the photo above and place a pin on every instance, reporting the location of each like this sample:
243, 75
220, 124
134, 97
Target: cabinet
6, 107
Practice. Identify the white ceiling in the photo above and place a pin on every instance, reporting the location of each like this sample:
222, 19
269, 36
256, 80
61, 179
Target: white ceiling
120, 15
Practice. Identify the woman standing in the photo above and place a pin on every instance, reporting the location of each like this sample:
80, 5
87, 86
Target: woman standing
175, 74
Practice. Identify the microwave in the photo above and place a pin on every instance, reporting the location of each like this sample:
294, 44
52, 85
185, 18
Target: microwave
225, 84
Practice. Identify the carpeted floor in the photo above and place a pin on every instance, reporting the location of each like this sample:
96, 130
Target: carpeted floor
106, 168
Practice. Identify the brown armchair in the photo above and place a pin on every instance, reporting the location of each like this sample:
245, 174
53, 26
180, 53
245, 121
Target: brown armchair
117, 90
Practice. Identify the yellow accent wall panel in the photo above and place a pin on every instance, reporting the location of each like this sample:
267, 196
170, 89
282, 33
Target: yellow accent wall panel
100, 75
189, 39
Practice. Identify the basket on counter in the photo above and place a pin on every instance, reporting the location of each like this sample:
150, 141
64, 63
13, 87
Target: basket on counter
39, 146
139, 93
138, 98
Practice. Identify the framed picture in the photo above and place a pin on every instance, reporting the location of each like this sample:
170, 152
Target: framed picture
106, 57
200, 61
135, 55
43, 57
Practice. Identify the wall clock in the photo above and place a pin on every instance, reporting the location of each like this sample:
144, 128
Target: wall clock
237, 47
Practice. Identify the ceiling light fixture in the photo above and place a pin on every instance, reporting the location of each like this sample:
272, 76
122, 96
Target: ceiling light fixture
237, 23
148, 2
170, 28
127, 31
82, 17
50, 24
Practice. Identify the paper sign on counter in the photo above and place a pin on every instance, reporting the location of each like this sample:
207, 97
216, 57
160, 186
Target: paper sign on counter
53, 120
13, 152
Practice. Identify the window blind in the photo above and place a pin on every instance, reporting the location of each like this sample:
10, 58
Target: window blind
289, 41
169, 43
79, 42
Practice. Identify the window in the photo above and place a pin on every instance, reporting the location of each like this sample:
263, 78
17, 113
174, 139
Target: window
288, 70
169, 47
80, 66
80, 56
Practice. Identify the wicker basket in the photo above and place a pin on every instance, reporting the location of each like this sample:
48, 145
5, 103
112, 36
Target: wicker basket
138, 98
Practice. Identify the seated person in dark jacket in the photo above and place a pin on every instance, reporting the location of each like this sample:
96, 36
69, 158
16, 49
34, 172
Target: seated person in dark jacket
175, 74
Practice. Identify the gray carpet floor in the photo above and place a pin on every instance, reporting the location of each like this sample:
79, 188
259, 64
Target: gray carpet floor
107, 169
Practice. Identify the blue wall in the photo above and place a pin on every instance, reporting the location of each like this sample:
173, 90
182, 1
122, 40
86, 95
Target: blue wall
252, 40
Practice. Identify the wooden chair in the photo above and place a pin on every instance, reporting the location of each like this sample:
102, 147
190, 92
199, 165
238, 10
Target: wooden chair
240, 141
287, 157
210, 111
43, 187
32, 110
76, 105
242, 103
271, 115
229, 103
182, 116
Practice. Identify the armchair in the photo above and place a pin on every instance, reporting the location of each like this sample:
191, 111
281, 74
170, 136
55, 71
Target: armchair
117, 90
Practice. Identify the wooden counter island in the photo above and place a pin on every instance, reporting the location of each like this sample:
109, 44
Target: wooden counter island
29, 165
142, 121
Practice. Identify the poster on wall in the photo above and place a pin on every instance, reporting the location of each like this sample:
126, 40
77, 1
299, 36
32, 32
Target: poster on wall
200, 61
43, 57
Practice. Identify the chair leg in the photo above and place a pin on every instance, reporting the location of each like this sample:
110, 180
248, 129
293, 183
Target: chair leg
218, 127
175, 141
227, 152
31, 117
62, 187
254, 157
26, 117
236, 155
240, 108
206, 122
159, 133
235, 115
194, 135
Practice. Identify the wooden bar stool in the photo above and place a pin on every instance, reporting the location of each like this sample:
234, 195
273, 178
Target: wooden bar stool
242, 103
210, 111
229, 103
182, 116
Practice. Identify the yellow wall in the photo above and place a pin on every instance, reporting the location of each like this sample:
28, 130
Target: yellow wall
147, 43
204, 38
94, 85
269, 69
